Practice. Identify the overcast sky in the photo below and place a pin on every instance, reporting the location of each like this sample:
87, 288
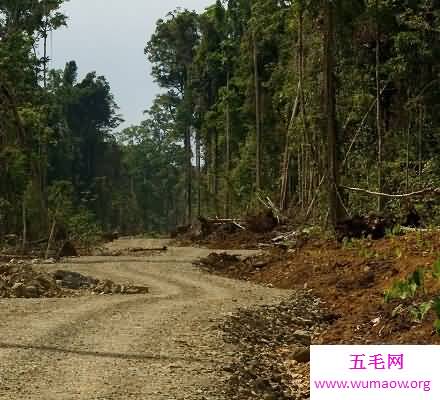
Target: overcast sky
109, 36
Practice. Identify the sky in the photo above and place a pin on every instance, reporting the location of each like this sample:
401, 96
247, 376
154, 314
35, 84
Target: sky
109, 36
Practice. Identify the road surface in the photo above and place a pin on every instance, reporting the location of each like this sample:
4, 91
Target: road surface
163, 345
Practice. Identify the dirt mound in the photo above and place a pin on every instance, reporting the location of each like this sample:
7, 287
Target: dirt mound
218, 261
273, 348
237, 267
24, 281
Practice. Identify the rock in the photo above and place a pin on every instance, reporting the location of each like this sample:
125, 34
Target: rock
273, 354
104, 287
136, 290
303, 336
74, 280
116, 289
301, 354
17, 289
260, 264
23, 281
31, 291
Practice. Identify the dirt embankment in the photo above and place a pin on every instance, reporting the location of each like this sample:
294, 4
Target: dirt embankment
352, 278
339, 299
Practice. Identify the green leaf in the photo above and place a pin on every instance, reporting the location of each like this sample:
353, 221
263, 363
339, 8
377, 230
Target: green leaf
424, 309
401, 290
436, 304
437, 326
418, 277
436, 269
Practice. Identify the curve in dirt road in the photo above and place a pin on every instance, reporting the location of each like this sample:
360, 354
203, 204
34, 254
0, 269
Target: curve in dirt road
163, 345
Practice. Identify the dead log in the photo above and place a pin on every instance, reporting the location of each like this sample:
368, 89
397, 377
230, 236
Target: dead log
141, 249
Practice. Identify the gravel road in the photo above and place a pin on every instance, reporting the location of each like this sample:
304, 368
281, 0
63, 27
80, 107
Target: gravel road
163, 345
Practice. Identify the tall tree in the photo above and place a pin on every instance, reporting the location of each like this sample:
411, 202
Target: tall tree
171, 51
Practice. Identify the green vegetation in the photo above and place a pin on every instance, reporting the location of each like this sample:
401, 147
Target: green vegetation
292, 99
406, 288
412, 289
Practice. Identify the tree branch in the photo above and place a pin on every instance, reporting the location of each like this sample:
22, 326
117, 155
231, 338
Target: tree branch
395, 196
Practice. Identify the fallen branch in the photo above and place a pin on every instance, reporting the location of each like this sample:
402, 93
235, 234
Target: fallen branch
284, 237
222, 220
16, 257
239, 226
394, 196
140, 249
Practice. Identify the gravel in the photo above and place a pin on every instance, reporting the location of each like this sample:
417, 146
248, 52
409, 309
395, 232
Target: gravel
274, 348
162, 346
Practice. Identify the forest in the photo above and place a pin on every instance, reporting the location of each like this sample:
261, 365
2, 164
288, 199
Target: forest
279, 194
327, 108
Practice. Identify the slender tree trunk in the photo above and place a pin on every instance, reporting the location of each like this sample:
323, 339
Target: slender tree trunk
188, 174
228, 150
24, 219
378, 113
420, 143
45, 48
51, 234
216, 172
306, 166
187, 143
299, 186
199, 175
335, 209
286, 157
407, 153
257, 116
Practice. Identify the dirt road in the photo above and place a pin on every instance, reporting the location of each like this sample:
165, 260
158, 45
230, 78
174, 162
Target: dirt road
163, 345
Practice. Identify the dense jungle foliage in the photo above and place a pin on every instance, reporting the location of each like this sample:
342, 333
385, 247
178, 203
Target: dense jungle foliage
291, 100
